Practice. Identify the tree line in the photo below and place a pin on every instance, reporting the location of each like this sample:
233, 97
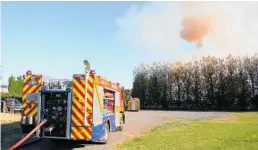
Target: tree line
14, 87
211, 83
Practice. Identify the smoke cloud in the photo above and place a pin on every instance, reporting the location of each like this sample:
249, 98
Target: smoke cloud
218, 28
195, 28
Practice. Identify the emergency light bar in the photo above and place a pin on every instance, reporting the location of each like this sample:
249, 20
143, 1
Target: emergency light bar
55, 84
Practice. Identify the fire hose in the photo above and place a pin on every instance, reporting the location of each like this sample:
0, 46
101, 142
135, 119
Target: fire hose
28, 135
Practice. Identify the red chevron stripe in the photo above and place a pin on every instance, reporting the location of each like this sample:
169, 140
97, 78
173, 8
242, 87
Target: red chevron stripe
25, 92
36, 89
77, 118
78, 109
90, 93
28, 104
77, 99
23, 101
89, 121
78, 90
88, 130
73, 123
74, 134
90, 83
81, 132
26, 81
32, 109
89, 102
80, 82
35, 114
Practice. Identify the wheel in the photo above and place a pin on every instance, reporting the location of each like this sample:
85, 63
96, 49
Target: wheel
106, 134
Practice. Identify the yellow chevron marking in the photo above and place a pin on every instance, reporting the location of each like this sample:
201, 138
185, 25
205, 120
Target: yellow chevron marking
30, 91
25, 88
33, 112
28, 109
77, 103
89, 107
87, 134
90, 89
77, 113
77, 133
77, 94
90, 98
27, 78
82, 89
90, 79
75, 121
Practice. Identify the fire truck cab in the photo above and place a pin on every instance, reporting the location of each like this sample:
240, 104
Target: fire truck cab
85, 108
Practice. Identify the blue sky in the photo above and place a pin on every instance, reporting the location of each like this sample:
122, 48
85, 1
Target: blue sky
53, 39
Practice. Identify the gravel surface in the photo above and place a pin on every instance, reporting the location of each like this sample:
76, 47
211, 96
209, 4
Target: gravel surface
136, 122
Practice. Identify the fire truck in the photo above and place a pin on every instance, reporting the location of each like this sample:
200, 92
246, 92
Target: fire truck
134, 104
86, 108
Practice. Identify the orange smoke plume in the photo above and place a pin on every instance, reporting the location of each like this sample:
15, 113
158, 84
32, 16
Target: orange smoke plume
196, 27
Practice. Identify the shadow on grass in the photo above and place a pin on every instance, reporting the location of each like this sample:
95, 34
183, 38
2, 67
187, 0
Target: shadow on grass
57, 144
10, 133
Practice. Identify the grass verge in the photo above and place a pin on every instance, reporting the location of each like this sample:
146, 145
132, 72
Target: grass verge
239, 132
10, 129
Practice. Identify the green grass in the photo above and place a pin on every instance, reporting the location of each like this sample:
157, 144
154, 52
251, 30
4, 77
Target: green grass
239, 132
10, 133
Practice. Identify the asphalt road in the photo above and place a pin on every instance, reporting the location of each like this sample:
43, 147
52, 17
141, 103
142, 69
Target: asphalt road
136, 122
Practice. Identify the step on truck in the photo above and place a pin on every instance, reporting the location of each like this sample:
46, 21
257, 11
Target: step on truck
86, 108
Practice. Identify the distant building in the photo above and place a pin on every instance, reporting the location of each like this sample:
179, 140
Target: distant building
4, 89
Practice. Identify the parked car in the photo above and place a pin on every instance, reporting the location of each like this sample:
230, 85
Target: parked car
13, 105
2, 105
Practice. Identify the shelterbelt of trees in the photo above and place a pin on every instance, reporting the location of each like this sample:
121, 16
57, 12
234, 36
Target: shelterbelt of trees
208, 84
14, 87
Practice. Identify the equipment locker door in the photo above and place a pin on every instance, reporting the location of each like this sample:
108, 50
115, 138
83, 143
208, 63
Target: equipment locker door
117, 113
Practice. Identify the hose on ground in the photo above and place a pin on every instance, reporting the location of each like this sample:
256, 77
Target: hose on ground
28, 135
